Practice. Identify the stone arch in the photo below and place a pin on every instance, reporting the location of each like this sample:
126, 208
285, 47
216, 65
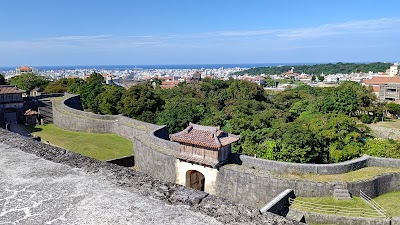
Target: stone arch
10, 115
195, 180
185, 169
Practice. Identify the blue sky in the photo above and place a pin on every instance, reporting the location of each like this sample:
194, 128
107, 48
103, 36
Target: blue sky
137, 32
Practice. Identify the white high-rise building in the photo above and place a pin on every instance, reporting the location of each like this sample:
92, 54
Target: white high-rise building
394, 70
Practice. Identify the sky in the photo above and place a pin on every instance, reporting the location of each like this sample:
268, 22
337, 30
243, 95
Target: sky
150, 32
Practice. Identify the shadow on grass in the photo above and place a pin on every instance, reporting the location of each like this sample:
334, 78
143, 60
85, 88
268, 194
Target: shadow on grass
32, 128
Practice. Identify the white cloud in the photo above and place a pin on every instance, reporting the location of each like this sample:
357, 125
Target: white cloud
265, 38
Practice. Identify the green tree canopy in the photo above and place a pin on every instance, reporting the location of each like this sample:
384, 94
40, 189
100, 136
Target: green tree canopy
392, 108
2, 79
29, 81
141, 102
61, 85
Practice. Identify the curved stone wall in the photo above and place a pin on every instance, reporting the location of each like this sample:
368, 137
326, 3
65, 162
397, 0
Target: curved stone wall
68, 115
249, 181
303, 168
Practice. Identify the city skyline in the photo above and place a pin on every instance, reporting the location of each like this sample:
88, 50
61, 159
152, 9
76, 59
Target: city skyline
179, 32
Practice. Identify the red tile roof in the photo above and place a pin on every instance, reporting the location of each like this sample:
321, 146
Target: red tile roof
9, 89
30, 112
25, 68
204, 136
169, 83
382, 80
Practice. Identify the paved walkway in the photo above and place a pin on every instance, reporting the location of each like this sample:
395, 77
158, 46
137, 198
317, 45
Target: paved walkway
16, 128
37, 191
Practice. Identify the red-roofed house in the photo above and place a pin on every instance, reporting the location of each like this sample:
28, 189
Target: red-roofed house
25, 69
386, 88
169, 83
202, 150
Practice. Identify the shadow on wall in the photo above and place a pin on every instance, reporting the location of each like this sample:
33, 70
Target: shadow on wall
125, 161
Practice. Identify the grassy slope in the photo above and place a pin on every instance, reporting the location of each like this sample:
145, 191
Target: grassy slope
390, 202
98, 146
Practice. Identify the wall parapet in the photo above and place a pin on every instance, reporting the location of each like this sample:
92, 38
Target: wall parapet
309, 168
69, 114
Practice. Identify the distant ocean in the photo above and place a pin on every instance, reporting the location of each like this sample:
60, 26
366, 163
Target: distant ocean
148, 67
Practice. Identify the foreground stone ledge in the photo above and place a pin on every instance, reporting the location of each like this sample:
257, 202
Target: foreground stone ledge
224, 211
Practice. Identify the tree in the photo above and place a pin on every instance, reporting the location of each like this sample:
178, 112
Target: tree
88, 90
393, 108
29, 81
141, 102
313, 78
108, 100
61, 85
2, 80
179, 112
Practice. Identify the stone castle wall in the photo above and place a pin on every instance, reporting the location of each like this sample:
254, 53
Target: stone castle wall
301, 168
249, 180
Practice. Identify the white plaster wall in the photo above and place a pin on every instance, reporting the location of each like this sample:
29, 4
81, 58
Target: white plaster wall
210, 175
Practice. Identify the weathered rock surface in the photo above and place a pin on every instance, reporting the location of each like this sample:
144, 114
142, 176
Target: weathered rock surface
68, 188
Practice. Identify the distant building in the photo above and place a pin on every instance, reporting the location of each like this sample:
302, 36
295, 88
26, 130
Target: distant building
25, 69
393, 70
169, 83
258, 79
385, 88
11, 104
196, 77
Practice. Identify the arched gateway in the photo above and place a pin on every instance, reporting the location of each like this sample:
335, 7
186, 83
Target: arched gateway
202, 151
195, 180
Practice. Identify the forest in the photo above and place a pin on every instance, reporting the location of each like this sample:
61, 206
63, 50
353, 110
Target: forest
306, 124
330, 68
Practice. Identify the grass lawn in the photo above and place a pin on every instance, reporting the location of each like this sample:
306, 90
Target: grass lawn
98, 146
330, 205
357, 175
390, 202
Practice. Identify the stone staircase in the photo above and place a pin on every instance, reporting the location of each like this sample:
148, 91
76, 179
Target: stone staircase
340, 191
45, 109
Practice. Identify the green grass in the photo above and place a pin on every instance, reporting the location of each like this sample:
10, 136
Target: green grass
357, 175
98, 146
390, 202
330, 205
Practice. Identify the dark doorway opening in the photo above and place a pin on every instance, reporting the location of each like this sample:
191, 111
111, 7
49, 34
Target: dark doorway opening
195, 180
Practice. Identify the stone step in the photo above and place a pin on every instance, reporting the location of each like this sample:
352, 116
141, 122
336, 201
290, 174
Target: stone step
341, 194
339, 191
341, 185
295, 215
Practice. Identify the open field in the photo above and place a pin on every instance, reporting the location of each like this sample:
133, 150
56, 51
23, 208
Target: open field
98, 146
357, 175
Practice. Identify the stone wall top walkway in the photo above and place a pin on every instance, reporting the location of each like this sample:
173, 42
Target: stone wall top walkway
68, 188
